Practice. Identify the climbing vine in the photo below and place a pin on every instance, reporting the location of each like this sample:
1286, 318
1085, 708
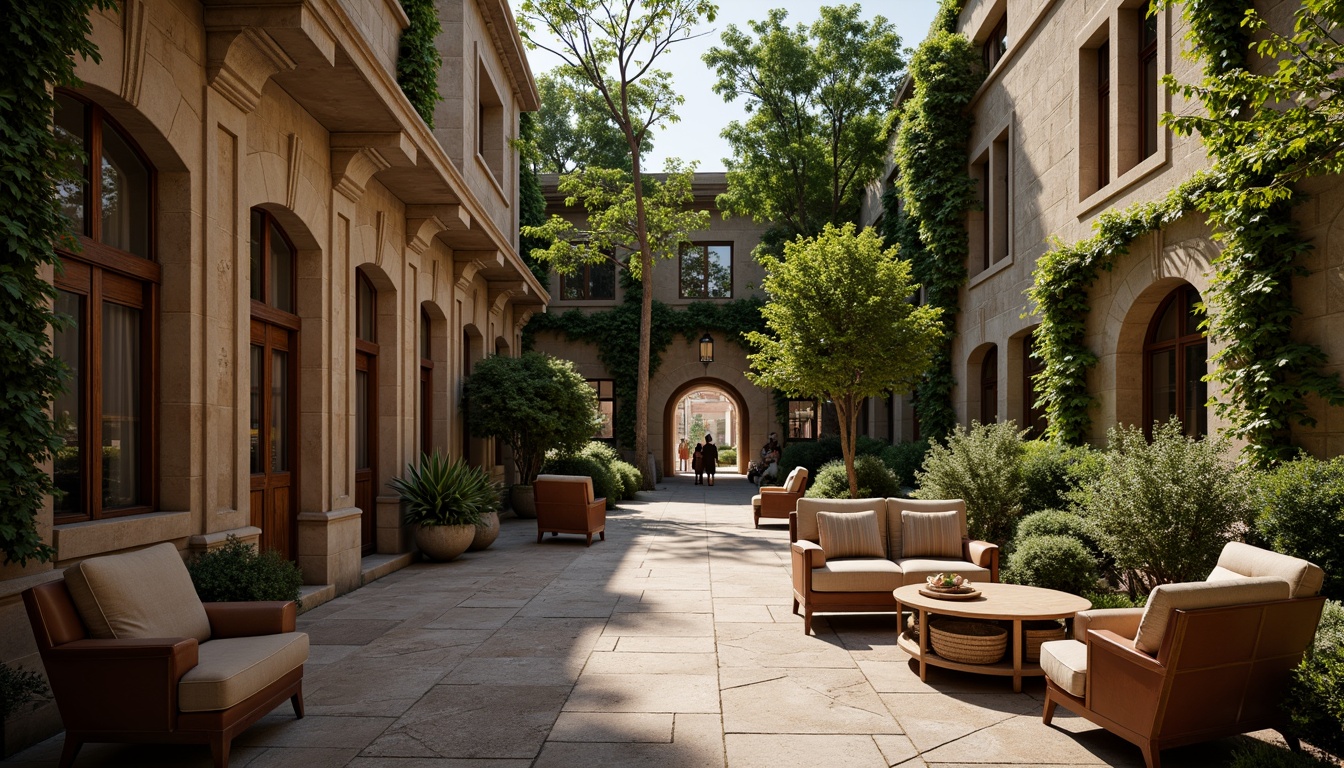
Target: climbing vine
418, 59
936, 193
615, 333
42, 43
1258, 148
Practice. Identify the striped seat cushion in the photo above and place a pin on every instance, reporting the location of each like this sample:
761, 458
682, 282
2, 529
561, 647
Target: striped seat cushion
930, 534
850, 534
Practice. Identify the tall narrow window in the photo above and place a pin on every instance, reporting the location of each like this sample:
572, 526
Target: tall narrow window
989, 387
366, 407
996, 45
590, 282
606, 407
1176, 357
1104, 114
466, 371
802, 419
105, 464
426, 386
1148, 93
1031, 408
707, 271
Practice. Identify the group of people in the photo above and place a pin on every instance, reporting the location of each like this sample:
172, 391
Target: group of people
704, 459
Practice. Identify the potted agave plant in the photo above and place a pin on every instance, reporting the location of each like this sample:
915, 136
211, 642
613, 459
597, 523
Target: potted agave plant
446, 502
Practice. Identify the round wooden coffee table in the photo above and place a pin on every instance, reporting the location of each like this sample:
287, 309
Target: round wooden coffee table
1005, 602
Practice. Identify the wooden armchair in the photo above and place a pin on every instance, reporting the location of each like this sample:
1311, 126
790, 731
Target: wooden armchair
133, 655
565, 504
1204, 660
780, 502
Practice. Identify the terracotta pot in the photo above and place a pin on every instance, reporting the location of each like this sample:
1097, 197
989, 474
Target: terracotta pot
486, 533
524, 502
444, 542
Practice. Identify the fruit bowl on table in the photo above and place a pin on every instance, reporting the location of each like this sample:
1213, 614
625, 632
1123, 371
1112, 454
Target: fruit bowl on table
948, 586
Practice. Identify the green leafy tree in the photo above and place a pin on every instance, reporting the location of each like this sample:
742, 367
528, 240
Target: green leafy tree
697, 430
842, 326
574, 128
531, 202
613, 46
534, 403
42, 43
819, 100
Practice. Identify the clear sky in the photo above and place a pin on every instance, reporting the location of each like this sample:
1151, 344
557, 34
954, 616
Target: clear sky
705, 114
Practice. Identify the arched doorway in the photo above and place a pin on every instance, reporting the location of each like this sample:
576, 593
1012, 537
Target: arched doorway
678, 420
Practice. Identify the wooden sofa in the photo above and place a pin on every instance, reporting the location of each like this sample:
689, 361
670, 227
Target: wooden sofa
854, 584
133, 655
779, 502
565, 504
1203, 661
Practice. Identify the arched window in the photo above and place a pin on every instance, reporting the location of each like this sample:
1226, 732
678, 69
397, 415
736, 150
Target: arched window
1175, 359
989, 386
106, 464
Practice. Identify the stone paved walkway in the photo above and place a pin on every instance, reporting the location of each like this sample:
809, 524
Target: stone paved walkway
670, 644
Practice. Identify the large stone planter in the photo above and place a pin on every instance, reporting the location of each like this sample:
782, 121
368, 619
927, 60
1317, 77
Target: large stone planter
444, 542
486, 533
524, 502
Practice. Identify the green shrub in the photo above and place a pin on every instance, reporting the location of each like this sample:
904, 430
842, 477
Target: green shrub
443, 492
1253, 753
1163, 510
604, 478
1330, 632
1315, 700
236, 572
1052, 562
875, 480
1301, 506
1051, 473
606, 457
811, 454
18, 689
601, 451
983, 467
727, 457
1114, 600
630, 479
869, 446
1058, 522
904, 460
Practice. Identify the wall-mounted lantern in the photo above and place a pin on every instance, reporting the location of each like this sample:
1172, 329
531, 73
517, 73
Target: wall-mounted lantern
706, 349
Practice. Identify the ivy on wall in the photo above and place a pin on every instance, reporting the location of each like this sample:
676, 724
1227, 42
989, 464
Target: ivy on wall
418, 59
531, 201
615, 333
937, 192
42, 41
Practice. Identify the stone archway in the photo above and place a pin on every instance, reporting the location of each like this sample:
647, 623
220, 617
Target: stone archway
743, 439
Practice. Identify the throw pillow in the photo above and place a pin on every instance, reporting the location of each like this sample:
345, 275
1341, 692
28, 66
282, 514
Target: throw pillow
930, 534
849, 534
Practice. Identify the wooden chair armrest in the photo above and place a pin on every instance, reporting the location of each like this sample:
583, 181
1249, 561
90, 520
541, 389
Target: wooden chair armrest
266, 617
1122, 649
983, 554
1121, 621
812, 553
1123, 684
793, 527
120, 650
119, 685
773, 489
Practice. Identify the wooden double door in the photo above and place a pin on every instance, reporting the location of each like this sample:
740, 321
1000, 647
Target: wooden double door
366, 441
273, 430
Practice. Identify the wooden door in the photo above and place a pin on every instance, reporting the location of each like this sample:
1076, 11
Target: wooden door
366, 441
273, 421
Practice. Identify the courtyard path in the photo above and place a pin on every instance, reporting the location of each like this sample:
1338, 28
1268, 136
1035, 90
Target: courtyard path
670, 644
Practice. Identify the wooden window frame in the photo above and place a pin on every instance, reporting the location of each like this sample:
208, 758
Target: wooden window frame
816, 420
85, 274
585, 275
995, 46
1147, 97
706, 244
1179, 344
596, 384
1103, 54
260, 309
989, 386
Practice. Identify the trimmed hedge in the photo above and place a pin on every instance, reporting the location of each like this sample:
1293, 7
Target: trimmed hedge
1052, 562
875, 480
605, 483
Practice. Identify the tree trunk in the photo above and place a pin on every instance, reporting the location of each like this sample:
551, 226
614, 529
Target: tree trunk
645, 322
846, 414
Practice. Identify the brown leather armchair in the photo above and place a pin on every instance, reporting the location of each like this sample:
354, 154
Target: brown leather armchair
779, 502
565, 504
1204, 660
158, 687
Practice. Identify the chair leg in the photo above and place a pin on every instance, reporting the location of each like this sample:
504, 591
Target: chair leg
1152, 754
297, 701
540, 535
1048, 711
602, 535
219, 750
757, 520
590, 539
795, 606
70, 749
807, 621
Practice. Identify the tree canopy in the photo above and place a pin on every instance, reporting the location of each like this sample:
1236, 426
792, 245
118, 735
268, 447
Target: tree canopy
819, 100
842, 326
575, 130
534, 403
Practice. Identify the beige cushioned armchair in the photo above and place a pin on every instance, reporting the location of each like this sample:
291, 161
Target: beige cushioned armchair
854, 584
778, 502
1202, 661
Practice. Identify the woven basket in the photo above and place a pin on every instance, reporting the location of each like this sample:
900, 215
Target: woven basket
969, 642
1036, 632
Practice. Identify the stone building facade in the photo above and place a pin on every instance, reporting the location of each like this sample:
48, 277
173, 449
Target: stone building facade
1066, 128
284, 275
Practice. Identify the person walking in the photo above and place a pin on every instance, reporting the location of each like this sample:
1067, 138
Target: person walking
709, 457
698, 463
684, 453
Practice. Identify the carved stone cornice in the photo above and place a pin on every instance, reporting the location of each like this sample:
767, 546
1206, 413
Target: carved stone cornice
500, 293
246, 45
356, 157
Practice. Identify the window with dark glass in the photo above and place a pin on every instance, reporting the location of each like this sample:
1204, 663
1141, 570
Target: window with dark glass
426, 386
707, 271
606, 407
802, 420
989, 386
1148, 93
1176, 357
1103, 95
996, 45
590, 282
1031, 407
109, 290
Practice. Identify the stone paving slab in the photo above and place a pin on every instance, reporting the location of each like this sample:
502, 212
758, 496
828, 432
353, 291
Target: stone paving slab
672, 643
